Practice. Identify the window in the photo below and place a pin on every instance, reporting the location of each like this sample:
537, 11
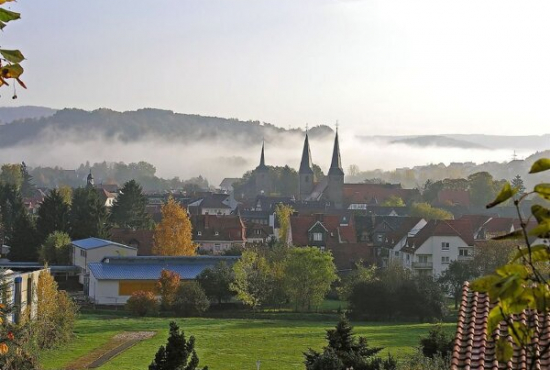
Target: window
217, 247
444, 246
307, 179
199, 233
463, 252
379, 237
396, 253
82, 253
423, 259
317, 237
445, 260
216, 233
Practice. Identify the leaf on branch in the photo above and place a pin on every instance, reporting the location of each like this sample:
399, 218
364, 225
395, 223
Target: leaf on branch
7, 15
14, 56
541, 214
504, 349
5, 1
517, 234
542, 164
484, 284
21, 83
506, 193
539, 252
543, 190
11, 71
2, 25
541, 231
494, 319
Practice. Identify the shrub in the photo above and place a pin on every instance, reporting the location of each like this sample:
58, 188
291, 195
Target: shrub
167, 287
191, 299
437, 343
142, 303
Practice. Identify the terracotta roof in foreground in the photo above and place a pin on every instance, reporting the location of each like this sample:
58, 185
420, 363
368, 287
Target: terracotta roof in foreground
473, 349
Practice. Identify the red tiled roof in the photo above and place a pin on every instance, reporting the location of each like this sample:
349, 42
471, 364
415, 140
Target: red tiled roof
499, 225
475, 350
453, 197
477, 221
300, 225
214, 227
460, 228
141, 239
364, 193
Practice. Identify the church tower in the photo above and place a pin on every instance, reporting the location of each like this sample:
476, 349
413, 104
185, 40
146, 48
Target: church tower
262, 175
306, 177
335, 188
90, 180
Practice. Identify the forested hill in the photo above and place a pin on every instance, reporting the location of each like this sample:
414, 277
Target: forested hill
143, 124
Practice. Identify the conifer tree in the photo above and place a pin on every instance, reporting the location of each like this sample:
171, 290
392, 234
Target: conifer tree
24, 241
179, 353
173, 235
346, 352
27, 186
88, 216
11, 206
53, 215
129, 208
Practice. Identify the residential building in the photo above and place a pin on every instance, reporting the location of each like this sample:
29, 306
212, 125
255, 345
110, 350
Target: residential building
436, 245
216, 234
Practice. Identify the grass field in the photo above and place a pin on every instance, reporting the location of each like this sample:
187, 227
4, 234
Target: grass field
226, 344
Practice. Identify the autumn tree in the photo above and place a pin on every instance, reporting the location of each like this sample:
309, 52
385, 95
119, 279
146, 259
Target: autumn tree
167, 286
55, 313
393, 201
129, 208
173, 235
283, 213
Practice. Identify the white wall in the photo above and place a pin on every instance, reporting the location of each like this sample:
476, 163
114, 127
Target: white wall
105, 292
96, 255
432, 247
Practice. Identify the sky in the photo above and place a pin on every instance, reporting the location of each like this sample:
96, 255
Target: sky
378, 67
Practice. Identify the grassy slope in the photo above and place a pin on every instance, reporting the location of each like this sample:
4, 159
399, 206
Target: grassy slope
225, 344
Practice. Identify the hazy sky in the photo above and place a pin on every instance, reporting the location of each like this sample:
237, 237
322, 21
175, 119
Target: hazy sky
379, 67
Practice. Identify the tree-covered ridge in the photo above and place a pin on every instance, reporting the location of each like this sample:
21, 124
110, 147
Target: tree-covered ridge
130, 126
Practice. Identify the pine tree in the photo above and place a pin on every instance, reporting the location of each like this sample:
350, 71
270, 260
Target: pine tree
344, 352
88, 216
11, 206
27, 186
129, 208
53, 215
517, 182
25, 242
179, 353
173, 235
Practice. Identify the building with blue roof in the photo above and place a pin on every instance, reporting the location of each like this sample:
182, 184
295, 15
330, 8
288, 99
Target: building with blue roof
114, 279
91, 250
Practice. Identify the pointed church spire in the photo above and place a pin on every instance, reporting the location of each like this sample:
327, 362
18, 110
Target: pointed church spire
336, 163
262, 165
305, 164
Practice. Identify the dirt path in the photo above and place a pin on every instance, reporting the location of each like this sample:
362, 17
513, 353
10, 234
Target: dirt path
118, 344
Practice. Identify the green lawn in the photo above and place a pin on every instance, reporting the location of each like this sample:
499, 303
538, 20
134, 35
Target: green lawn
225, 344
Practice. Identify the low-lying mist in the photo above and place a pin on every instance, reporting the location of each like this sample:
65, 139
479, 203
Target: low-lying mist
217, 159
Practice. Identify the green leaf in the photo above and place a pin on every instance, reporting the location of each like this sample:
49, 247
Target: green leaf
539, 252
484, 284
494, 319
504, 350
517, 234
541, 214
11, 71
14, 56
2, 25
541, 231
542, 164
7, 15
543, 190
506, 193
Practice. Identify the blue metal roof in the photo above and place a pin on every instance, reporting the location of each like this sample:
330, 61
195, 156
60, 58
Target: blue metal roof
140, 268
91, 243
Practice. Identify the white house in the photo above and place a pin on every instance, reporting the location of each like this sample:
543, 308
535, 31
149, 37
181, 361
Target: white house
21, 290
114, 279
90, 250
436, 245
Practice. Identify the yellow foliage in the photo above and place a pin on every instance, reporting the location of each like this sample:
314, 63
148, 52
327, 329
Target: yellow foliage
173, 235
3, 348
